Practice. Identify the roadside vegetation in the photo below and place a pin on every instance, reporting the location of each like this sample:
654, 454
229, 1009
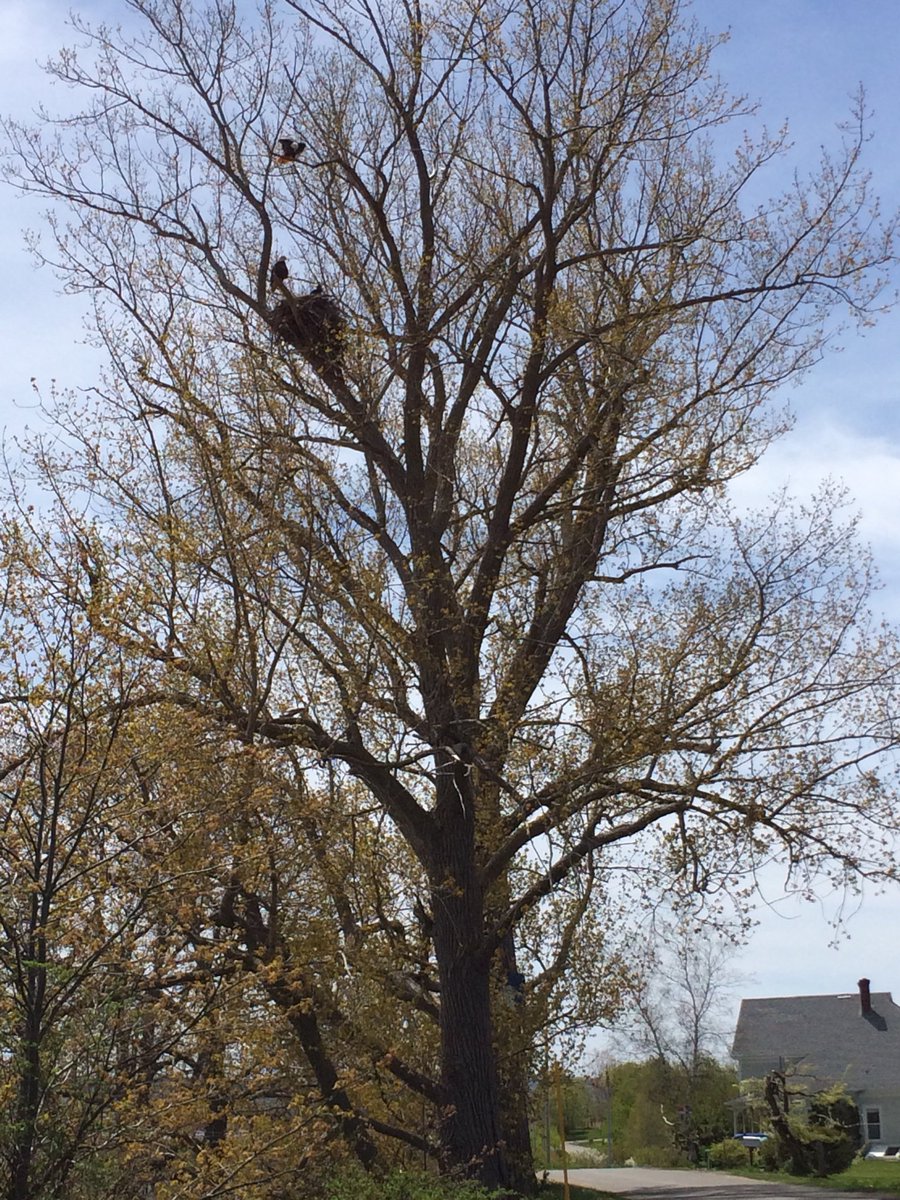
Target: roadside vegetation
656, 1114
353, 1184
863, 1175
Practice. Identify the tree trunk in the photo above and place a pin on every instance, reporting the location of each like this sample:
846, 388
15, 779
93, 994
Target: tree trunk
471, 1133
513, 1044
776, 1096
514, 1092
26, 1111
472, 1140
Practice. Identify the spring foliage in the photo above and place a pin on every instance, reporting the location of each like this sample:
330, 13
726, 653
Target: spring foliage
431, 655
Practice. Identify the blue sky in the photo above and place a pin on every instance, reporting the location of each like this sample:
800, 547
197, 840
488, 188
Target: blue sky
802, 60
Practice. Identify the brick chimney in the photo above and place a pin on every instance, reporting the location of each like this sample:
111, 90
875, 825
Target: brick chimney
865, 999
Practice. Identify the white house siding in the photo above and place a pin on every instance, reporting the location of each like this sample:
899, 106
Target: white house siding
889, 1108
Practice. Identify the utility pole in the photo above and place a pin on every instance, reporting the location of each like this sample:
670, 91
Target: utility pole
547, 1104
609, 1140
561, 1118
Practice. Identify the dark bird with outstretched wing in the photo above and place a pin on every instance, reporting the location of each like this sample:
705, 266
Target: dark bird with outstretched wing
288, 150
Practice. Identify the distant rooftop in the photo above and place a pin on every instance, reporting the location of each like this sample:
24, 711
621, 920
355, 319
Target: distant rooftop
853, 1038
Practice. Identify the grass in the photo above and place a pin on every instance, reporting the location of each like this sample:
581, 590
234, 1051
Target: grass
872, 1175
590, 1133
865, 1175
554, 1163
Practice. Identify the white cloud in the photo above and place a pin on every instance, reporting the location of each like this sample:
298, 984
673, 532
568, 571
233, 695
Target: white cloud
869, 467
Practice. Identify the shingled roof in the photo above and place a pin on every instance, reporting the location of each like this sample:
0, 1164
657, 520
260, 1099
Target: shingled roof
853, 1038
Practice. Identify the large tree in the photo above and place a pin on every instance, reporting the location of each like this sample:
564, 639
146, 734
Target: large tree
456, 548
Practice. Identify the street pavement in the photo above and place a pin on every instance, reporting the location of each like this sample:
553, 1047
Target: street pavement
652, 1183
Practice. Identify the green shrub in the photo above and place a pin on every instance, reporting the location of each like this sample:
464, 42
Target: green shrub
728, 1153
659, 1156
354, 1184
832, 1152
821, 1151
770, 1154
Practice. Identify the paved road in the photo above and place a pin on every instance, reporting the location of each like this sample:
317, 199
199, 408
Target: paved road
651, 1183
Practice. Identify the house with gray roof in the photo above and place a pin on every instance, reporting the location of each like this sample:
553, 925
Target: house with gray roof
852, 1039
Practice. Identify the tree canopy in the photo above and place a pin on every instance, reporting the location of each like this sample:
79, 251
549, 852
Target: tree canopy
420, 556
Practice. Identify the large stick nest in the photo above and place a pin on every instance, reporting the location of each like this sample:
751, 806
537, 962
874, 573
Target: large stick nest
312, 324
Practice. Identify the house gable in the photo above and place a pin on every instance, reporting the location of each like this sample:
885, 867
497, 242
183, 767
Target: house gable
852, 1039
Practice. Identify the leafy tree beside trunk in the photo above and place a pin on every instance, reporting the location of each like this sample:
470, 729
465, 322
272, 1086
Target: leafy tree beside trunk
446, 543
72, 834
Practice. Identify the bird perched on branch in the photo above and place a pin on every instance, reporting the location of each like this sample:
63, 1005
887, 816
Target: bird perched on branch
279, 273
288, 150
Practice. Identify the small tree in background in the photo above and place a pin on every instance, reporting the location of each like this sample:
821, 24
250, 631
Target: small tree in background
677, 1008
674, 1013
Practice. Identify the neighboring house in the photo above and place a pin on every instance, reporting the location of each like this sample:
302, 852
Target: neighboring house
852, 1039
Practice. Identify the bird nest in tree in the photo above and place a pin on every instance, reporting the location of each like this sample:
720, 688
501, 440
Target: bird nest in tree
312, 324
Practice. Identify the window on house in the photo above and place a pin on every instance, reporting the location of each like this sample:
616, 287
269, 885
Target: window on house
873, 1124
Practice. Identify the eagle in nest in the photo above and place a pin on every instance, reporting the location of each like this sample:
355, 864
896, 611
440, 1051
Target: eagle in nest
279, 273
